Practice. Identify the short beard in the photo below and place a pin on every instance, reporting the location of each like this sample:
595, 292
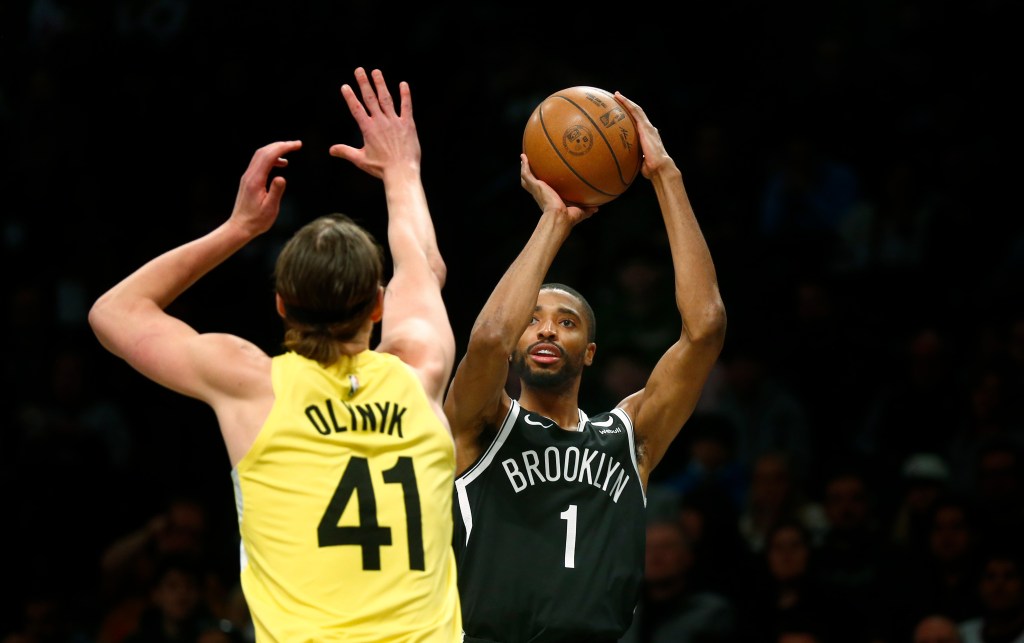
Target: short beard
547, 379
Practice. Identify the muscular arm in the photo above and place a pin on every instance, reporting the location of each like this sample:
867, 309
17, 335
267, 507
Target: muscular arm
477, 397
415, 324
665, 404
131, 322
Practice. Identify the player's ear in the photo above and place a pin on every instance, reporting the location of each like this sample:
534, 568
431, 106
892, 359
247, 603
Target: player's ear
588, 355
280, 304
378, 308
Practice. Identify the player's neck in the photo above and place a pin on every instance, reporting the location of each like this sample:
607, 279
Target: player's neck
560, 406
359, 342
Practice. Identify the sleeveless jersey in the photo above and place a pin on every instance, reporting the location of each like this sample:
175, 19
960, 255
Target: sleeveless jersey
550, 531
344, 507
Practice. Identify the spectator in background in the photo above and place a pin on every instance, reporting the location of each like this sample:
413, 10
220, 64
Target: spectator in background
721, 561
1014, 340
925, 480
175, 611
784, 591
70, 444
48, 613
236, 614
671, 609
129, 565
642, 301
716, 163
854, 554
181, 528
989, 408
936, 628
765, 413
821, 326
806, 200
940, 577
999, 487
710, 444
1001, 589
799, 633
916, 406
987, 415
891, 232
623, 371
72, 420
776, 495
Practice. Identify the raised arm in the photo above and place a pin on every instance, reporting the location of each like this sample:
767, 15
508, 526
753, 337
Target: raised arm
130, 319
415, 324
477, 397
661, 409
225, 371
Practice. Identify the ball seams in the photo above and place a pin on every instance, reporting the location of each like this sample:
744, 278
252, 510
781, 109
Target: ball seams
565, 145
561, 157
597, 128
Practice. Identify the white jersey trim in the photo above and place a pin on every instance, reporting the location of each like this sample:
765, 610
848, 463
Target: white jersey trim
236, 484
477, 469
628, 423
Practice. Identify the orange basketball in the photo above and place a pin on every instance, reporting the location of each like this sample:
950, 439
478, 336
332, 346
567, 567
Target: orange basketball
584, 144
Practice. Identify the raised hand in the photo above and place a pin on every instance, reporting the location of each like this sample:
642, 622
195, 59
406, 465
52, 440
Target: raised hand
545, 195
655, 155
257, 204
389, 137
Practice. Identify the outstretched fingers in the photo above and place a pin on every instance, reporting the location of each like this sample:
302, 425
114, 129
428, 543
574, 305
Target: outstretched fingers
383, 97
354, 105
376, 98
406, 96
369, 97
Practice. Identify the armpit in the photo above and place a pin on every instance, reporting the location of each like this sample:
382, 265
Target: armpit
641, 451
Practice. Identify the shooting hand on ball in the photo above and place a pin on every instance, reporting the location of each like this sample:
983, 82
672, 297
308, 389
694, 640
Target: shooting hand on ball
546, 197
655, 157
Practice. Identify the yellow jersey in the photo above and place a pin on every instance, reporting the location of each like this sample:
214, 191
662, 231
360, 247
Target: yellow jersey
344, 507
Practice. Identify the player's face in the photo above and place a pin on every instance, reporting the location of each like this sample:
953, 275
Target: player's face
553, 349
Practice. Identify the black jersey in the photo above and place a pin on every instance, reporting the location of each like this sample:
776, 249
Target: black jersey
550, 531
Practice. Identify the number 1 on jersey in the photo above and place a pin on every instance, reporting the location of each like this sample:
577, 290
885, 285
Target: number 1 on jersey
569, 516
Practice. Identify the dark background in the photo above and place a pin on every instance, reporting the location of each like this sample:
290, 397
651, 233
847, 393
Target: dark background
125, 127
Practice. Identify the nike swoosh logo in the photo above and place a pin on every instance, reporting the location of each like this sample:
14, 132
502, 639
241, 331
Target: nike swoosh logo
607, 422
526, 418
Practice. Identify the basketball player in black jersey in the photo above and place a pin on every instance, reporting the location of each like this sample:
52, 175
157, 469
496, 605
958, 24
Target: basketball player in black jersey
550, 502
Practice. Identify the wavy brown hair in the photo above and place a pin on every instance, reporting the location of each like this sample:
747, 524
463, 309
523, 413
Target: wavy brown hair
328, 275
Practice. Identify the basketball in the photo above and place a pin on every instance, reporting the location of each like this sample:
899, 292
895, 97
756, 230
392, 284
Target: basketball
584, 144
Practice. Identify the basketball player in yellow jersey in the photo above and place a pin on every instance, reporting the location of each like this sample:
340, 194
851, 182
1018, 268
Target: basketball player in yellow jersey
343, 462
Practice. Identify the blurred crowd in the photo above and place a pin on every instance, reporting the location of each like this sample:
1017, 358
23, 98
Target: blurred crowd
856, 464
